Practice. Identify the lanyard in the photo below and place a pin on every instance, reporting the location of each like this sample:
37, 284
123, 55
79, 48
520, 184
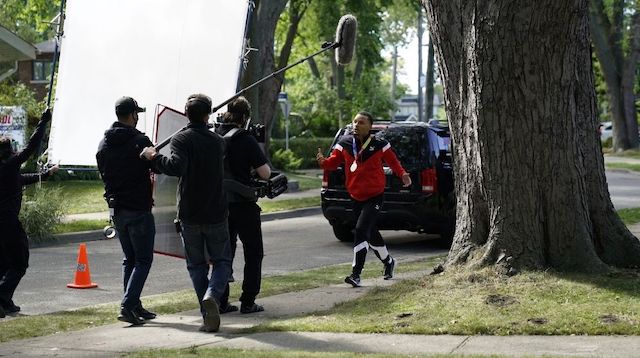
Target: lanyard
364, 146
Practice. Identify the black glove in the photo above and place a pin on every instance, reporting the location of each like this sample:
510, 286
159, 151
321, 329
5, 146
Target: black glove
46, 115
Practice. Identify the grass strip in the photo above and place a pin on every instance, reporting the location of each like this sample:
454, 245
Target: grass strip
630, 216
270, 206
241, 353
40, 325
79, 225
627, 166
485, 302
267, 207
305, 182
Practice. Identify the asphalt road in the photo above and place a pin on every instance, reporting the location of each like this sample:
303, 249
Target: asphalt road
290, 245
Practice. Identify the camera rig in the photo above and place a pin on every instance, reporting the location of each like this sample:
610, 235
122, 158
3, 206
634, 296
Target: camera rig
272, 187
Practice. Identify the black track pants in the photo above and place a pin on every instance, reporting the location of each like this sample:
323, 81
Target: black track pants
367, 234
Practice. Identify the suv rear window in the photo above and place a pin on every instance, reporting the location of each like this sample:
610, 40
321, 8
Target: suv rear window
409, 144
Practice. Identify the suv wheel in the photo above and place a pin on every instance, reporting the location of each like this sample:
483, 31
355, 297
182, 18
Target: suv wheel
343, 233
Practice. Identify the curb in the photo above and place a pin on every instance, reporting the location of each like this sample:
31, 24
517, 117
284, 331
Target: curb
95, 235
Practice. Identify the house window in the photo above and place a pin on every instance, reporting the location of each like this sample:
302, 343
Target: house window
41, 70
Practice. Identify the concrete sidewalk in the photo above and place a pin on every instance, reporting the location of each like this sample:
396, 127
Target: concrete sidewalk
181, 331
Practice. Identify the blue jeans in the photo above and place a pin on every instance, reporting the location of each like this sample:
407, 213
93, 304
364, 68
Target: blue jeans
200, 241
136, 231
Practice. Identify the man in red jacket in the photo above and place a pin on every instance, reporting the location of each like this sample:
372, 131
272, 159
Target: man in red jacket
362, 155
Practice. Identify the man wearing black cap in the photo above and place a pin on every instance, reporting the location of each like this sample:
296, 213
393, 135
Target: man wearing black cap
128, 192
14, 244
243, 156
197, 158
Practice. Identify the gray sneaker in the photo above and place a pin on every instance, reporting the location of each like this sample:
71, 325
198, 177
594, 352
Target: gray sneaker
353, 280
389, 268
211, 315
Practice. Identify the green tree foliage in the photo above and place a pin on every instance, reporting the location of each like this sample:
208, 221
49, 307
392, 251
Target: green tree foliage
327, 95
29, 19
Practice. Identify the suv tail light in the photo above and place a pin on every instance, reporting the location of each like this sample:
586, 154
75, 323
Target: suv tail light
325, 179
429, 180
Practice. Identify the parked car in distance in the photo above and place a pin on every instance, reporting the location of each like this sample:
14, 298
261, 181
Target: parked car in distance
427, 206
606, 131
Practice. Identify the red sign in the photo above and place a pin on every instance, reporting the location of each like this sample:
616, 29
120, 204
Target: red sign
6, 119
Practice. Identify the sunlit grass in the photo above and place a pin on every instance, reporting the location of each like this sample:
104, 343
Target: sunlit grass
471, 303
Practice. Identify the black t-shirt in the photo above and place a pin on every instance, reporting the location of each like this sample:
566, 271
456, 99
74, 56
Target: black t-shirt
243, 154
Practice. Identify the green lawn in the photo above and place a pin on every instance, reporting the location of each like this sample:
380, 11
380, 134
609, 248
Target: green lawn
305, 182
80, 225
82, 196
485, 302
628, 166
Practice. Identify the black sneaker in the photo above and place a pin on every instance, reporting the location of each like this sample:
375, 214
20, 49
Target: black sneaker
211, 314
129, 316
353, 280
388, 269
11, 308
252, 308
227, 308
141, 312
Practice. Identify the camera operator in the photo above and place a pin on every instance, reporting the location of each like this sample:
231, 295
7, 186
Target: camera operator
243, 156
14, 244
197, 158
129, 194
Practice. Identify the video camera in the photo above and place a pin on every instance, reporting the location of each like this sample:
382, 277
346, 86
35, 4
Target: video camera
257, 130
274, 186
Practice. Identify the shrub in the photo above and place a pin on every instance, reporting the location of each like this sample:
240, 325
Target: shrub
286, 160
304, 148
41, 212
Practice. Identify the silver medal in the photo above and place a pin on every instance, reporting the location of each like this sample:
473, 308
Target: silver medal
353, 167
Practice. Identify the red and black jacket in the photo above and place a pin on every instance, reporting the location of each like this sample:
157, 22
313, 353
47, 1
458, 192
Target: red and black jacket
368, 180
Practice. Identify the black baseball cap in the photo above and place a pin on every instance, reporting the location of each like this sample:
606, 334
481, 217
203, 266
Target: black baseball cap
127, 105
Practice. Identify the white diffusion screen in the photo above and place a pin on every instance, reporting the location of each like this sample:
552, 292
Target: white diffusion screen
167, 240
156, 51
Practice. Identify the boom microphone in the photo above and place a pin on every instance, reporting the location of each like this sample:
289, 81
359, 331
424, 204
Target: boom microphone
346, 39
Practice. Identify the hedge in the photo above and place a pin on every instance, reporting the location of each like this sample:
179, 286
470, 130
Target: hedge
305, 148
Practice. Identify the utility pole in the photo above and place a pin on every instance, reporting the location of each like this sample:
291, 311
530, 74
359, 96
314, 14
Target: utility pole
394, 79
420, 117
429, 92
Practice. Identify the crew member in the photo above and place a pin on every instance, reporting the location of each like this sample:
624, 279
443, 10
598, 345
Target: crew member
243, 157
128, 192
362, 155
14, 244
197, 158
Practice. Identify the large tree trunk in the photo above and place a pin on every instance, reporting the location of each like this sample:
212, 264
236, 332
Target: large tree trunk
530, 184
263, 98
619, 71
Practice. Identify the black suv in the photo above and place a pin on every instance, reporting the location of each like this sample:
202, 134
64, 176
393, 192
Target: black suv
427, 206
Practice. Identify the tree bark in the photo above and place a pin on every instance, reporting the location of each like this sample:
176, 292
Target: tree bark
618, 70
264, 98
530, 184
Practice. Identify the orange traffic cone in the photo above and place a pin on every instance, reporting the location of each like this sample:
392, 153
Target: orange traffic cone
82, 278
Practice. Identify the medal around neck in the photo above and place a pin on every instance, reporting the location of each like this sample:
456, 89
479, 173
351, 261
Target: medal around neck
354, 166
